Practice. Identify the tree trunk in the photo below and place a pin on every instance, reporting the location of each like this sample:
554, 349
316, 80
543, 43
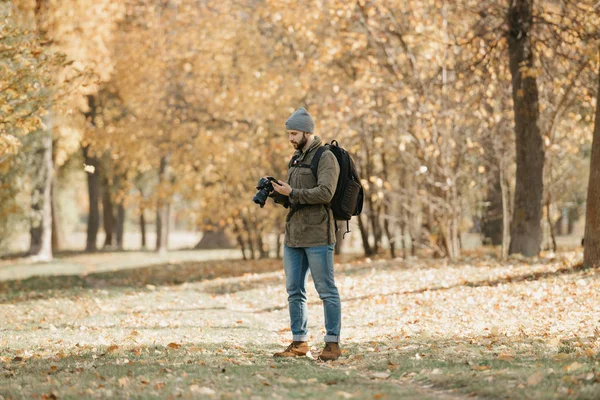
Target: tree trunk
376, 226
414, 216
453, 230
373, 224
162, 229
390, 233
120, 225
250, 241
214, 239
526, 232
550, 225
364, 234
240, 239
143, 228
403, 244
93, 180
41, 231
390, 236
491, 224
108, 215
506, 212
444, 227
279, 246
162, 211
263, 250
591, 251
57, 234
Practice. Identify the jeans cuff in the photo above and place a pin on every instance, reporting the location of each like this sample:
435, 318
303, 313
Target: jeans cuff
300, 338
331, 338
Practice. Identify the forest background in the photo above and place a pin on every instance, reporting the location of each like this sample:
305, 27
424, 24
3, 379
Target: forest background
470, 122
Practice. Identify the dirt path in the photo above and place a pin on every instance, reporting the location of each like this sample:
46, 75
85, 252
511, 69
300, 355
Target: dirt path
83, 263
413, 330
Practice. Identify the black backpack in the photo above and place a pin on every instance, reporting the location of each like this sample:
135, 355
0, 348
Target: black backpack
348, 198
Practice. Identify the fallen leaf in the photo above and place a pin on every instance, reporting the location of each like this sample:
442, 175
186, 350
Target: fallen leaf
506, 357
287, 380
573, 367
124, 381
590, 376
591, 353
259, 376
535, 378
173, 345
202, 390
137, 351
380, 375
112, 348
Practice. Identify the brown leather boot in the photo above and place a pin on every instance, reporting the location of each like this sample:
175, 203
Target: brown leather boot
296, 349
331, 352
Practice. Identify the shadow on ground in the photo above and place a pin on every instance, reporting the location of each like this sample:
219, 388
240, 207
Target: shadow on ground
242, 370
189, 370
41, 287
516, 278
168, 274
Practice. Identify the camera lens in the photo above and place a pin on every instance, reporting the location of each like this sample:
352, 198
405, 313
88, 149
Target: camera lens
261, 197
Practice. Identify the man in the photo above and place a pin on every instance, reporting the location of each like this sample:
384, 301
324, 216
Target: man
309, 236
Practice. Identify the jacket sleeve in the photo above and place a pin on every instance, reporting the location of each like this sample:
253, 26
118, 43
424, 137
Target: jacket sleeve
327, 177
281, 199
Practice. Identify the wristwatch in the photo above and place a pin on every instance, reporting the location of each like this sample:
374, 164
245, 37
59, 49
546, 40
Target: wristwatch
291, 193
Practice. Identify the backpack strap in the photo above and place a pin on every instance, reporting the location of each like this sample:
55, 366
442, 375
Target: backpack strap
347, 229
292, 162
314, 165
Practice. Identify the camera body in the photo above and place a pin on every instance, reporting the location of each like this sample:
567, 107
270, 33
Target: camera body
265, 187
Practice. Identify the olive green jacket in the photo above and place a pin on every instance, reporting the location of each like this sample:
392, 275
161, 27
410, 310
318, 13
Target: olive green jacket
311, 225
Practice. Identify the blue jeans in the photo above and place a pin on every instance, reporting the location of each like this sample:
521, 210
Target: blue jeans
297, 261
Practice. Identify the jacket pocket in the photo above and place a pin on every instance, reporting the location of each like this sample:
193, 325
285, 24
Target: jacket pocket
304, 179
315, 215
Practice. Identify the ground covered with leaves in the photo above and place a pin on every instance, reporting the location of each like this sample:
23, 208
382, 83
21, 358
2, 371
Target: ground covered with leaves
519, 329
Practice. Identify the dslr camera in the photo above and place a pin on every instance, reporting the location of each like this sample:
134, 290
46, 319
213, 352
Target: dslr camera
265, 188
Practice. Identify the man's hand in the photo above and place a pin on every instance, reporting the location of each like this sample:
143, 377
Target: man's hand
282, 187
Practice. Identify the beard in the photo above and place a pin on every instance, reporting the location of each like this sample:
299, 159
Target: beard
300, 145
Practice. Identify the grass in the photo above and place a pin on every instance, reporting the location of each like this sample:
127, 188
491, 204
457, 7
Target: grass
187, 371
520, 329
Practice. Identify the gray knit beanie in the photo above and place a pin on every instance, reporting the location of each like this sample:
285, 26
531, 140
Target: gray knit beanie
301, 121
